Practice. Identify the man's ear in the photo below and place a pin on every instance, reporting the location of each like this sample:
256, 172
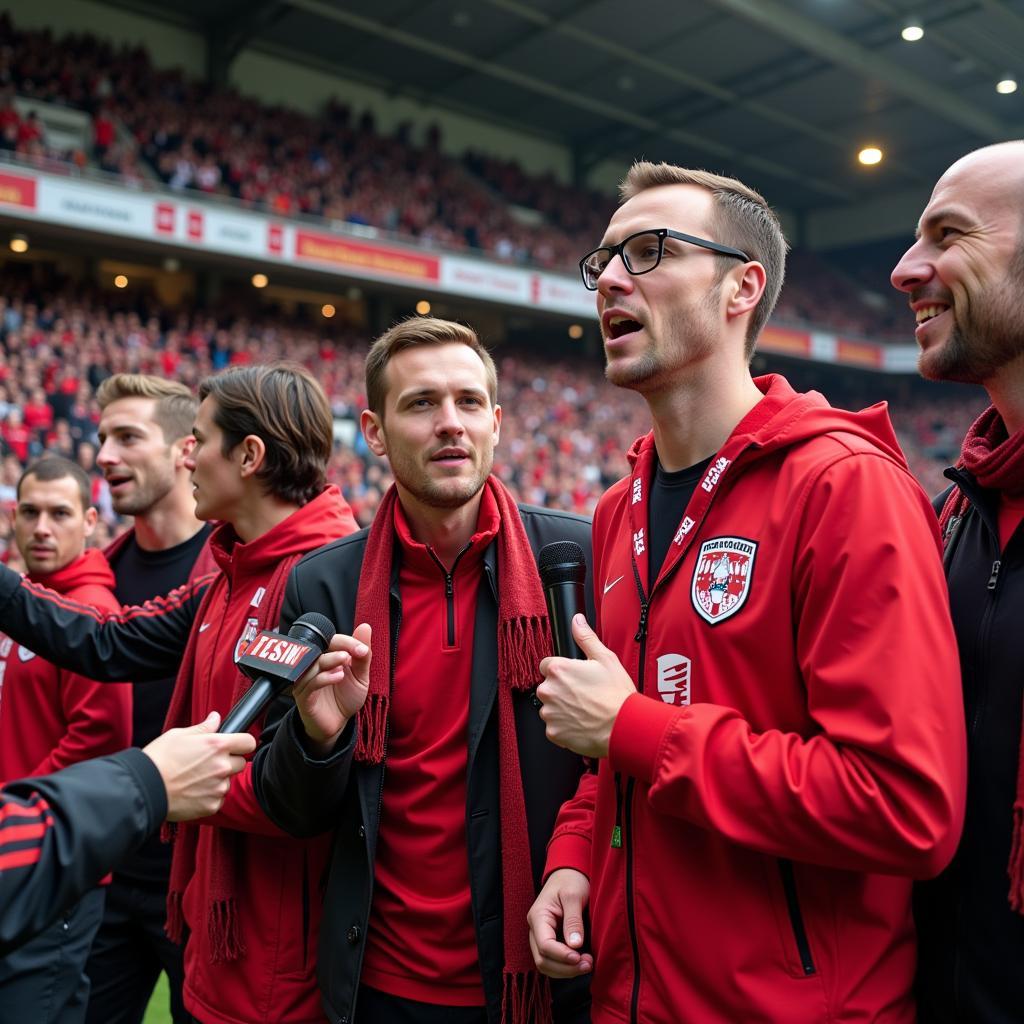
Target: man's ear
252, 453
372, 427
91, 516
745, 290
182, 449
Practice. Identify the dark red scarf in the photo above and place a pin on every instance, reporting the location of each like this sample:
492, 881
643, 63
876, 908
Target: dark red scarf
226, 942
524, 638
996, 461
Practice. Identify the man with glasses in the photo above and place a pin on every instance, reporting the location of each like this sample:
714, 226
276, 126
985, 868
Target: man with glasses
774, 694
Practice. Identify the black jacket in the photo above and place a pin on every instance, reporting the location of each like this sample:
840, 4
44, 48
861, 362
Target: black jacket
971, 960
61, 833
305, 796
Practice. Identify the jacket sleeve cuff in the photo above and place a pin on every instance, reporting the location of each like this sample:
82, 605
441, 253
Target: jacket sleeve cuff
344, 746
636, 736
568, 850
150, 782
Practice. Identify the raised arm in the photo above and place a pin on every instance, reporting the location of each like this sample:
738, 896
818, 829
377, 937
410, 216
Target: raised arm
139, 643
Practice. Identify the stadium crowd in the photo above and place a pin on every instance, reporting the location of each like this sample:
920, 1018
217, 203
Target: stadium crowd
339, 167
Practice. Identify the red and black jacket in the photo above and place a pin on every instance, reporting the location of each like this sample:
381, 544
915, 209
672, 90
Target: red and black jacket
60, 833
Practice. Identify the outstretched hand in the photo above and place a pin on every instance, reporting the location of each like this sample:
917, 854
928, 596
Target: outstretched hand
196, 765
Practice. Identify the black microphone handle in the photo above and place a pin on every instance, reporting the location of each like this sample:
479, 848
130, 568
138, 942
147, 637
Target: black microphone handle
564, 600
251, 704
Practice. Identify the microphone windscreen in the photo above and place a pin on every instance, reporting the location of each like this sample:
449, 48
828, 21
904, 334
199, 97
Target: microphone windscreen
319, 624
561, 561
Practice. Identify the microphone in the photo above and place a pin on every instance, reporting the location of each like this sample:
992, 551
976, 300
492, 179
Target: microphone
563, 571
275, 661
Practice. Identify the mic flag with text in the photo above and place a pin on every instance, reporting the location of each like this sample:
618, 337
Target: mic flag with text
563, 571
275, 662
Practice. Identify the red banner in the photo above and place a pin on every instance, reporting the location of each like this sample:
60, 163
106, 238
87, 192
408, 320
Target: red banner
858, 353
785, 341
165, 218
378, 259
15, 191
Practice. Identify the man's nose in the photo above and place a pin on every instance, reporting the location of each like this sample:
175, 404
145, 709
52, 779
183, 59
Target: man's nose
615, 279
913, 269
448, 420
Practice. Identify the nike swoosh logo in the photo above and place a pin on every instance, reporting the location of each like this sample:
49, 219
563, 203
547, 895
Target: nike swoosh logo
608, 586
205, 626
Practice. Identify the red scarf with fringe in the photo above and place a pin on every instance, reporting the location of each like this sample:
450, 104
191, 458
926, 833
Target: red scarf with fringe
524, 638
226, 942
996, 461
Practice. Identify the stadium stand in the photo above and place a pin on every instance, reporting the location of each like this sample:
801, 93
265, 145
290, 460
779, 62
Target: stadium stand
151, 125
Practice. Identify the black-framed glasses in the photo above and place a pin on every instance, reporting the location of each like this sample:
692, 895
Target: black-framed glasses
642, 252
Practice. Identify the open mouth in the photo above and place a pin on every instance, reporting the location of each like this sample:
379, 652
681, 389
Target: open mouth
450, 457
617, 326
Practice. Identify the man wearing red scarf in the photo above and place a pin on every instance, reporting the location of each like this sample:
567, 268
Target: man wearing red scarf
51, 718
964, 277
441, 788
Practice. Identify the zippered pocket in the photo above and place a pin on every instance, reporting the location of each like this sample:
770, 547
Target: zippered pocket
796, 918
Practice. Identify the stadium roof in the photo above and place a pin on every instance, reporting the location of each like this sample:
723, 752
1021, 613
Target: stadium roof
780, 92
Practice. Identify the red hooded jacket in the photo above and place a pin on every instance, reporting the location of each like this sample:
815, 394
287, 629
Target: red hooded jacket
796, 753
277, 878
50, 718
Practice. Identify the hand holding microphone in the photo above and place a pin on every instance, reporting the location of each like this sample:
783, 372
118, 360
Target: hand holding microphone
581, 698
563, 572
274, 662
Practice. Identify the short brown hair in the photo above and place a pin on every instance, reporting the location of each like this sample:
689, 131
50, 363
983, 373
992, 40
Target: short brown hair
174, 409
56, 467
742, 219
421, 330
283, 405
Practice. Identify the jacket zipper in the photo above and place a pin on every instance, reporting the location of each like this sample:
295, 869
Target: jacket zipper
796, 918
620, 831
449, 588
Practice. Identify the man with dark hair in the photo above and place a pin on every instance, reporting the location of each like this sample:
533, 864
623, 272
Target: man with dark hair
767, 788
247, 894
51, 718
145, 434
964, 277
437, 856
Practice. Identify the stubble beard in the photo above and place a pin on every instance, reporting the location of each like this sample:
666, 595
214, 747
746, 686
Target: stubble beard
144, 498
991, 337
446, 494
692, 339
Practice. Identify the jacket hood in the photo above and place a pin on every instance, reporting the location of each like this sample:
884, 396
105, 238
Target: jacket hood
327, 517
785, 417
89, 569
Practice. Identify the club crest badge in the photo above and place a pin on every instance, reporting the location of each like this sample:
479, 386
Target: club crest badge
721, 577
247, 637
